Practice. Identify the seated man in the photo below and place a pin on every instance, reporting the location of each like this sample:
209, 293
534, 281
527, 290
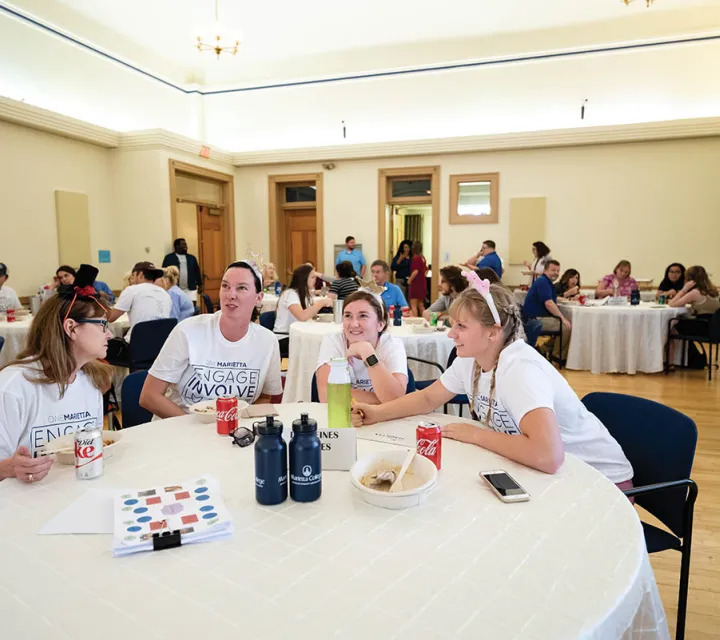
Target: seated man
540, 303
490, 259
452, 282
392, 295
143, 300
8, 298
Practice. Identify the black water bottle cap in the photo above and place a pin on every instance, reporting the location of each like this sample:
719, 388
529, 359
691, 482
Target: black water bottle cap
270, 427
305, 424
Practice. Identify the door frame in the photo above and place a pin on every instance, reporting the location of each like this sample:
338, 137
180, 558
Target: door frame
385, 199
276, 217
227, 184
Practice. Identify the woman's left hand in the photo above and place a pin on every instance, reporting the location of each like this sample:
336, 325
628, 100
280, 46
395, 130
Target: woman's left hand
688, 285
360, 350
460, 431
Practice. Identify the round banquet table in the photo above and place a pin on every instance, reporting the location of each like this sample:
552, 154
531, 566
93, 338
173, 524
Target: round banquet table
645, 296
15, 334
570, 563
618, 339
306, 338
269, 302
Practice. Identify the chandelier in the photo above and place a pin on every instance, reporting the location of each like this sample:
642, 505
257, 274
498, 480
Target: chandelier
220, 41
648, 3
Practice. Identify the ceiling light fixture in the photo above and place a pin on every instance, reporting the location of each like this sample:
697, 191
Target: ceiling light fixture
219, 41
648, 3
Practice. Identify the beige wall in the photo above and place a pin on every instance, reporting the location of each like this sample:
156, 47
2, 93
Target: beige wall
128, 193
652, 203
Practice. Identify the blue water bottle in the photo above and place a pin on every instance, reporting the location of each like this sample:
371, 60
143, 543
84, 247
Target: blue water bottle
397, 316
278, 289
305, 461
270, 463
635, 297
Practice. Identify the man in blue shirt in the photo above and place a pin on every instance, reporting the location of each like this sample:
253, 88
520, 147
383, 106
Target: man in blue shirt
487, 257
353, 255
392, 295
540, 303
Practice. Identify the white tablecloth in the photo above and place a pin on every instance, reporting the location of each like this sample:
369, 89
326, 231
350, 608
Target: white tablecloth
306, 338
618, 339
645, 296
269, 302
571, 563
15, 334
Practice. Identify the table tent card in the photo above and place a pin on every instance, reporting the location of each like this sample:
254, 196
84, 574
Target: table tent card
193, 508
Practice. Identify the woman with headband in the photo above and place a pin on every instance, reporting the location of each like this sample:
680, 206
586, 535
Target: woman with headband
55, 385
531, 413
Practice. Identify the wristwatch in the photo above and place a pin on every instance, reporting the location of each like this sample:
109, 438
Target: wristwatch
371, 361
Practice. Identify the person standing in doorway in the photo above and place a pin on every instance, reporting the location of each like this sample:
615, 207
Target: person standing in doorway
417, 282
190, 276
353, 255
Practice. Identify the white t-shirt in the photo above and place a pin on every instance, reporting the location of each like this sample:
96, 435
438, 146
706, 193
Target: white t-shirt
525, 381
202, 364
9, 299
182, 261
390, 351
34, 414
144, 302
284, 317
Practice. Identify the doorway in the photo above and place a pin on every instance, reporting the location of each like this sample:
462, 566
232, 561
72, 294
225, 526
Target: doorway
296, 222
202, 212
409, 205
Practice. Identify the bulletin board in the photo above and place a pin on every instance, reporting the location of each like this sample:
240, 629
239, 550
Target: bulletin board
527, 225
73, 228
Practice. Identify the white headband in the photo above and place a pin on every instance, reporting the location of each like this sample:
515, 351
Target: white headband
483, 288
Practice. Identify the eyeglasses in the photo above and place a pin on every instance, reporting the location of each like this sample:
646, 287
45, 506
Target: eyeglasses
101, 322
243, 437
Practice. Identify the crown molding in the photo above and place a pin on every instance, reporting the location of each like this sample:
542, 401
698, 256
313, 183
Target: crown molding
45, 120
163, 139
642, 132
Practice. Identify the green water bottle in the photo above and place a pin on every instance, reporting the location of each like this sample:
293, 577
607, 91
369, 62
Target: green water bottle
339, 398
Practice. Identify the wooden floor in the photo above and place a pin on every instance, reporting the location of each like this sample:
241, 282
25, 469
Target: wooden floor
691, 393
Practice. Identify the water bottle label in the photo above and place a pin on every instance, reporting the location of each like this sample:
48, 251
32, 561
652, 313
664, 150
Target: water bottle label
308, 477
259, 482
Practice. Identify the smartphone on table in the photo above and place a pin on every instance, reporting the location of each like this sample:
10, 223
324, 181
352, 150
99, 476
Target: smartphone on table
504, 486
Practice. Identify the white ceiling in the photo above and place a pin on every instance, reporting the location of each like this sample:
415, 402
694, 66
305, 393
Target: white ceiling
159, 34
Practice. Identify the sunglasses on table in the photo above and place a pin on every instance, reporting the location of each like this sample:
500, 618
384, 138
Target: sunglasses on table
243, 437
100, 321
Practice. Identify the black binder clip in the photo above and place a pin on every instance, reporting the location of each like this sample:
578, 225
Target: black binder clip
166, 540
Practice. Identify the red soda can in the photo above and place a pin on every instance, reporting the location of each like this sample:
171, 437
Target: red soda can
391, 312
582, 300
227, 415
11, 315
429, 442
88, 453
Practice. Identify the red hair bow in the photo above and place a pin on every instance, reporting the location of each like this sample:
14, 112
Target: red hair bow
87, 291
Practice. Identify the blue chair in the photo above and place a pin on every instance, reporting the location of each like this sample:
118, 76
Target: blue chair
132, 413
660, 444
315, 396
460, 399
267, 319
2, 343
208, 303
146, 341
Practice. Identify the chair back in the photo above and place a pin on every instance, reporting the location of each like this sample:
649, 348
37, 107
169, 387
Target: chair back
451, 357
2, 343
208, 303
132, 413
660, 444
315, 397
267, 319
146, 341
714, 332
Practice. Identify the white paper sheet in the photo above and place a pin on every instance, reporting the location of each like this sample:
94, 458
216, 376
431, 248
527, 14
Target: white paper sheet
92, 512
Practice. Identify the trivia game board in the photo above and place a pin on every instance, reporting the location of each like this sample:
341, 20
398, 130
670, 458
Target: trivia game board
194, 508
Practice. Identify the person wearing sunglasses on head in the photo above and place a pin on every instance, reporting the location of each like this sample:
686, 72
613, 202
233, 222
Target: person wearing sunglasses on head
55, 385
214, 355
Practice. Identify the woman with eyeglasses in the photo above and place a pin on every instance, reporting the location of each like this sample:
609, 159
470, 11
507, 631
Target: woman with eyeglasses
55, 385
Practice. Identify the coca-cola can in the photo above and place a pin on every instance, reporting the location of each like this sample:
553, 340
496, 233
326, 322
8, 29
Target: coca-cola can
88, 453
429, 442
10, 314
227, 415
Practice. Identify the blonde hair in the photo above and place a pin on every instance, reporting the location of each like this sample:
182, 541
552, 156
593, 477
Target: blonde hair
50, 346
126, 280
172, 275
470, 301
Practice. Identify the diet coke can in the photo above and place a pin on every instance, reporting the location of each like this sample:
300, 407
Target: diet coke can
429, 442
88, 453
227, 415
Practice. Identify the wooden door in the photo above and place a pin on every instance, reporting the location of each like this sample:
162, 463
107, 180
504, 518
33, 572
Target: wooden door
213, 251
300, 238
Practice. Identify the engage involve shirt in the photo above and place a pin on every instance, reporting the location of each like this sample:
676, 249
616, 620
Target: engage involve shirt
33, 415
284, 317
390, 351
201, 364
525, 381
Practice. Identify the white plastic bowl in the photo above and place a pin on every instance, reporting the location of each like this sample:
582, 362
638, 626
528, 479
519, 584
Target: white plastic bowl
422, 467
68, 441
209, 417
